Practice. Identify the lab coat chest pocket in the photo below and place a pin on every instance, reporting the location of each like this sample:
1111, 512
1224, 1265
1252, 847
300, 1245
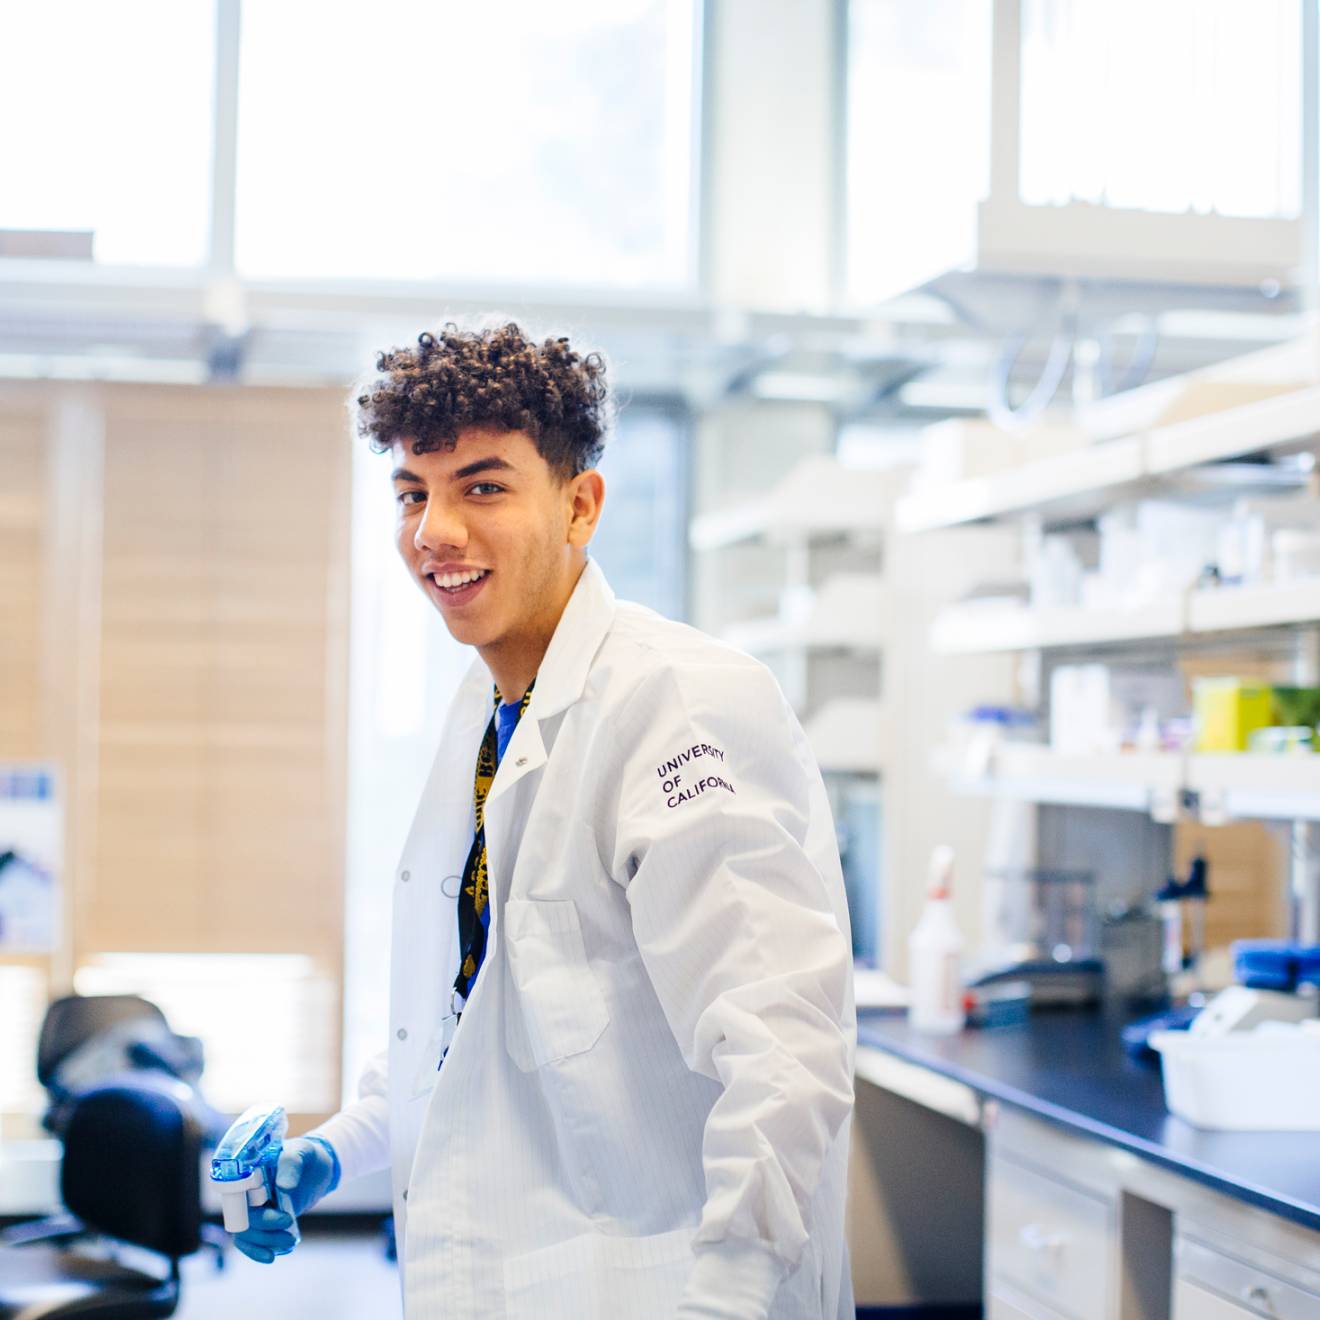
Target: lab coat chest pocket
556, 1008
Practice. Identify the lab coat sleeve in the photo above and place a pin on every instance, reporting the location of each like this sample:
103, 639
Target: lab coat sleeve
737, 927
360, 1132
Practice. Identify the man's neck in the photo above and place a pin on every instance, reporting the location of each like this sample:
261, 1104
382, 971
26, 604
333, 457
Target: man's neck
514, 661
512, 673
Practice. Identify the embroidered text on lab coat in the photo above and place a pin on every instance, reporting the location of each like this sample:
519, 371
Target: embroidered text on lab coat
672, 781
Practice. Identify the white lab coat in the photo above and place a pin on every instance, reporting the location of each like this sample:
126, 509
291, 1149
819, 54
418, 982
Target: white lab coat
645, 1109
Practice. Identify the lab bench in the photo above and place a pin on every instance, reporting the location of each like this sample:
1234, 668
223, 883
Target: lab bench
1036, 1167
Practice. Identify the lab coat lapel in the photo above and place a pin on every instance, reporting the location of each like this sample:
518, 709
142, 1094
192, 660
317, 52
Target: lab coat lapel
451, 775
562, 675
441, 831
559, 683
425, 910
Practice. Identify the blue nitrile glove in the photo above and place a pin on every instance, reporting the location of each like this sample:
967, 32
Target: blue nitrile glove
307, 1171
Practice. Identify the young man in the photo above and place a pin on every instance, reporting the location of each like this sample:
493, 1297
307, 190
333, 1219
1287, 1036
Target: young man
619, 1077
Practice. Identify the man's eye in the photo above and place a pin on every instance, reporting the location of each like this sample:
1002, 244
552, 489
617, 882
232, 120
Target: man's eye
405, 497
485, 488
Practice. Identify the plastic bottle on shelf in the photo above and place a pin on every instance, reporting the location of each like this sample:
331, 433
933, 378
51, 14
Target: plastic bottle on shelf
935, 955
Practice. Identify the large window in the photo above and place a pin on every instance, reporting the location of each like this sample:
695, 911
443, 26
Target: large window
510, 142
918, 137
107, 125
1184, 105
1130, 140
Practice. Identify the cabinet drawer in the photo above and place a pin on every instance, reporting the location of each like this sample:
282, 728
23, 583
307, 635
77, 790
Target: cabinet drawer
1191, 1302
1049, 1240
1238, 1289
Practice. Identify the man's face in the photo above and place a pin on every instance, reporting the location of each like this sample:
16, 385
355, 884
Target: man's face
491, 534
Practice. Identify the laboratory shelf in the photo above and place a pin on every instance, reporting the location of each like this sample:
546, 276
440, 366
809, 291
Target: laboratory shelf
764, 636
849, 735
819, 498
1123, 781
713, 531
1069, 1068
1227, 786
1233, 609
988, 629
1077, 482
1284, 421
848, 614
1246, 787
1083, 482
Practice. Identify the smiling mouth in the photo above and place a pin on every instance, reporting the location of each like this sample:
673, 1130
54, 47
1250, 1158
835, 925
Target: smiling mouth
462, 588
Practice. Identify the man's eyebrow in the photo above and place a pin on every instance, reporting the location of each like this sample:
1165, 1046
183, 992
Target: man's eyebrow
471, 470
482, 465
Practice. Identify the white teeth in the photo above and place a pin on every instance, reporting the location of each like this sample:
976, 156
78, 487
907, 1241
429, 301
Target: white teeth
452, 580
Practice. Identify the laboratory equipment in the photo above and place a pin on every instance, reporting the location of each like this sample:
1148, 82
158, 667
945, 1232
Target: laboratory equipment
1282, 740
1044, 932
244, 1164
1053, 912
935, 954
1275, 964
1099, 708
1296, 553
1139, 1037
1130, 948
1050, 984
1239, 1008
1266, 1079
1182, 914
1227, 711
1003, 1004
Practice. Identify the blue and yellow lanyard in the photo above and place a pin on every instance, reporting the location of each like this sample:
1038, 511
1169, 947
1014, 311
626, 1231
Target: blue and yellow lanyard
474, 896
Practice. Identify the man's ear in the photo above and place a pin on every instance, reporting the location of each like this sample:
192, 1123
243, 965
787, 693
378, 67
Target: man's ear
586, 498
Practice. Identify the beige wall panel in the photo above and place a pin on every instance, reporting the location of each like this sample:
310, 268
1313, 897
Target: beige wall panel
221, 678
1248, 878
23, 510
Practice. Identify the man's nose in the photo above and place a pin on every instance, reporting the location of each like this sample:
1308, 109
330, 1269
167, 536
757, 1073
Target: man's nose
439, 527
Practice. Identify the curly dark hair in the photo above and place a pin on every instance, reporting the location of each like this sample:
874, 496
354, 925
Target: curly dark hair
495, 377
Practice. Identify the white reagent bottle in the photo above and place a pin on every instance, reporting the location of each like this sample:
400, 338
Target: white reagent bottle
935, 955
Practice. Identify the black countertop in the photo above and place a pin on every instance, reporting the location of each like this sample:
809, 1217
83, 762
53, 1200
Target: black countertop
1069, 1067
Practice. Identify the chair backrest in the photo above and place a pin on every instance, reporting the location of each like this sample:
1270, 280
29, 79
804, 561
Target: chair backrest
75, 1019
131, 1169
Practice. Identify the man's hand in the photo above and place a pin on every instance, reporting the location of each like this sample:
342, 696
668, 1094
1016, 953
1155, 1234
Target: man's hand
307, 1171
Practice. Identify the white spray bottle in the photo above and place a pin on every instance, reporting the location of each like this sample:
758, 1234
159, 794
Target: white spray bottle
935, 955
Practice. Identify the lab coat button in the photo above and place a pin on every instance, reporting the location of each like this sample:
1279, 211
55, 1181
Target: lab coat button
405, 1193
402, 1034
405, 876
522, 760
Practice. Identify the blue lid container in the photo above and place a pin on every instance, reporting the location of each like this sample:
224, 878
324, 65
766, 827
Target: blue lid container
1265, 964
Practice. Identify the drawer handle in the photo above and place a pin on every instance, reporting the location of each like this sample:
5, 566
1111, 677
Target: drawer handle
1038, 1239
1259, 1296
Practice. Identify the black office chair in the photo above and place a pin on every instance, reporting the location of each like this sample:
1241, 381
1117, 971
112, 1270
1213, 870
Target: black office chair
89, 1039
131, 1172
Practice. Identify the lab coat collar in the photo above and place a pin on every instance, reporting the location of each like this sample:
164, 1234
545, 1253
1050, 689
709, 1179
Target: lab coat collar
577, 637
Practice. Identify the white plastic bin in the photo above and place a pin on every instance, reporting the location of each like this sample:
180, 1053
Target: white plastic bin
1250, 1081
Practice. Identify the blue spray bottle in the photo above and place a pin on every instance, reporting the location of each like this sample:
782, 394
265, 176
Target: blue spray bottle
244, 1164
